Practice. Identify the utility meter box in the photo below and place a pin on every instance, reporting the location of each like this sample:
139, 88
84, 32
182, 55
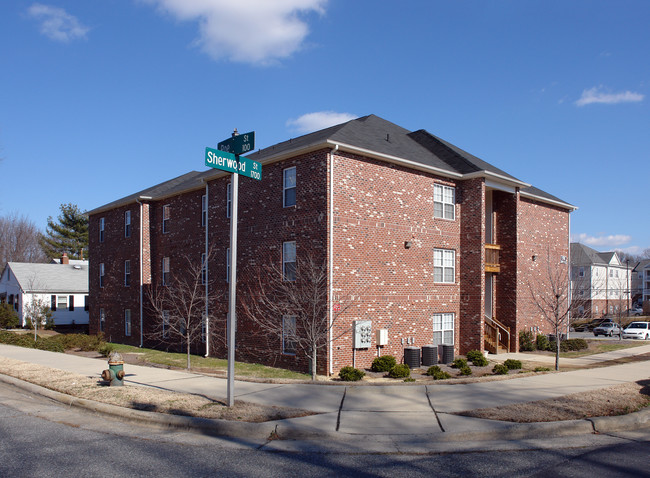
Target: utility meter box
382, 337
362, 334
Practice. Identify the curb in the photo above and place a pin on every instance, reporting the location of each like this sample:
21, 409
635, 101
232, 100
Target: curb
283, 430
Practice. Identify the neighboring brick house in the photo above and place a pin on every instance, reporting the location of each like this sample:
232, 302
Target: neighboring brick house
426, 241
600, 282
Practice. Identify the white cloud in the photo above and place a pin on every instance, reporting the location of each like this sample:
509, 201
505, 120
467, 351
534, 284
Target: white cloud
56, 23
612, 240
310, 122
597, 95
246, 31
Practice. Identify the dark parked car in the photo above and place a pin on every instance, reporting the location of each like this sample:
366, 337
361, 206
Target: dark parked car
591, 325
609, 329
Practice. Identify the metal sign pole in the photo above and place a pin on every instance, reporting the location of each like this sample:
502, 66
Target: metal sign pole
232, 295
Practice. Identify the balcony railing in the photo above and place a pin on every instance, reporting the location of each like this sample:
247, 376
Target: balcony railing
492, 263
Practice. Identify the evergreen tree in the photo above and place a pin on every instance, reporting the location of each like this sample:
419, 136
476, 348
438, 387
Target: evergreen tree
69, 234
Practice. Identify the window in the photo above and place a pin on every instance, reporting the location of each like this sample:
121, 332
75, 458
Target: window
204, 270
52, 302
71, 303
127, 322
165, 271
204, 210
228, 265
581, 272
101, 275
166, 216
443, 329
444, 266
86, 303
101, 229
228, 199
127, 273
127, 224
289, 334
61, 302
289, 260
289, 187
165, 324
204, 327
102, 320
444, 202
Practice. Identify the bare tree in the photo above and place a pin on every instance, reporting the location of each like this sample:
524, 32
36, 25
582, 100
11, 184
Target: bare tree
291, 305
180, 306
550, 294
19, 240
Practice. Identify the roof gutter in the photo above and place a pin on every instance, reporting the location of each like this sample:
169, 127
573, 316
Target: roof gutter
561, 204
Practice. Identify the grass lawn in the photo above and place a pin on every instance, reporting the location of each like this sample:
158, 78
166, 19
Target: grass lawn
218, 365
600, 346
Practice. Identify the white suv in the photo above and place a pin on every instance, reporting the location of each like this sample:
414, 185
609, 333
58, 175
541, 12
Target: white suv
637, 330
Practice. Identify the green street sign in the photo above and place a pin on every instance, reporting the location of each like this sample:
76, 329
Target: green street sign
240, 144
225, 161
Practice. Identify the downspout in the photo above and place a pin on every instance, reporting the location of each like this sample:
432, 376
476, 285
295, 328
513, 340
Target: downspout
330, 260
570, 281
207, 269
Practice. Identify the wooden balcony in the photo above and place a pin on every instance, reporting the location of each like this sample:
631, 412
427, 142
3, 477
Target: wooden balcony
492, 263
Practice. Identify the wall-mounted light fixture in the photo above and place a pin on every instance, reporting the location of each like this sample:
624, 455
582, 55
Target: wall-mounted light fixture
407, 244
534, 257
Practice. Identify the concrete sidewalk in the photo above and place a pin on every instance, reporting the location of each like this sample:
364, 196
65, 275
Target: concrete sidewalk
391, 410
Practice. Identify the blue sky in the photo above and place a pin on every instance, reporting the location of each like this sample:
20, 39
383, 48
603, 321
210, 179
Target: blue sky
100, 99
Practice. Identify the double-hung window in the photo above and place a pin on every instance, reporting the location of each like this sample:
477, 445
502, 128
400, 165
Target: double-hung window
289, 260
165, 324
444, 202
289, 187
166, 217
102, 320
61, 302
127, 224
204, 210
444, 266
443, 329
204, 270
127, 273
165, 271
289, 334
102, 224
228, 199
101, 275
228, 265
127, 322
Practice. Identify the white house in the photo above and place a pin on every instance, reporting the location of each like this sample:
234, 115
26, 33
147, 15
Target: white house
62, 285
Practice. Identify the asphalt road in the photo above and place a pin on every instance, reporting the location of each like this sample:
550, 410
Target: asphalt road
42, 438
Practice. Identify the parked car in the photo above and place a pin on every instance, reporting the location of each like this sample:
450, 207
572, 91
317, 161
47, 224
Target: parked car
590, 325
634, 311
637, 330
608, 328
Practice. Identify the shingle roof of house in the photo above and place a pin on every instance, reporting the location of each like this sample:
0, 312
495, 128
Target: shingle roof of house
581, 254
36, 277
369, 135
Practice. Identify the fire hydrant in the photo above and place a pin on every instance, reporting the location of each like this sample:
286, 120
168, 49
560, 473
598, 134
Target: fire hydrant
115, 372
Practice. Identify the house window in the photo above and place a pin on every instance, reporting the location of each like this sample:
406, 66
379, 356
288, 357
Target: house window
71, 303
165, 271
444, 266
127, 322
165, 324
204, 270
101, 229
204, 210
289, 334
127, 273
443, 329
228, 199
52, 302
289, 260
61, 302
101, 275
581, 272
289, 187
228, 265
102, 320
444, 202
166, 216
127, 224
86, 303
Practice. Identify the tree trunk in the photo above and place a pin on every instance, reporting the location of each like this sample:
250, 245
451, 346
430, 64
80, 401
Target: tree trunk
188, 351
557, 348
313, 362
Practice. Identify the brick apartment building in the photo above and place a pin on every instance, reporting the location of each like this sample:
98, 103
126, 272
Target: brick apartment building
427, 242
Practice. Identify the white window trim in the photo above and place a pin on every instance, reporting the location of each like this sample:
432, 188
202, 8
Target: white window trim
444, 318
127, 273
127, 223
102, 226
102, 273
166, 216
441, 189
285, 339
285, 188
165, 271
443, 253
285, 262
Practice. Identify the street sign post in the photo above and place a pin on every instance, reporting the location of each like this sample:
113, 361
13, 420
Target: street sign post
218, 159
240, 144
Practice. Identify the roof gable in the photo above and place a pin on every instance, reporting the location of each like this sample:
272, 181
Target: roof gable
35, 277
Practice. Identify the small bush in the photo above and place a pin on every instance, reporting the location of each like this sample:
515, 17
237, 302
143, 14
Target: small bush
409, 379
351, 374
400, 371
542, 369
500, 369
477, 358
8, 317
466, 370
526, 341
459, 363
542, 342
437, 373
106, 349
569, 345
512, 364
383, 363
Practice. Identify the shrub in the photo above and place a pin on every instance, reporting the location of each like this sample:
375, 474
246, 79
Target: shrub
500, 369
383, 363
8, 317
459, 363
542, 369
512, 364
569, 345
542, 342
437, 373
351, 374
526, 341
466, 370
400, 371
477, 358
409, 379
106, 349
